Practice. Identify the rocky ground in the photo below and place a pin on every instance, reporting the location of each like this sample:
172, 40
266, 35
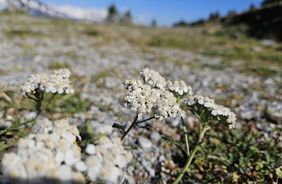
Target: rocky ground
242, 73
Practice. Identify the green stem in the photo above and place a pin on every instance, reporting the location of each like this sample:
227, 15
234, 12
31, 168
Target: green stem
38, 98
8, 145
193, 153
186, 137
2, 132
13, 128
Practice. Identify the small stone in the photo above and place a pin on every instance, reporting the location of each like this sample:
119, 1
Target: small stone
144, 142
151, 172
68, 136
70, 158
155, 136
30, 115
90, 149
104, 129
130, 170
9, 117
64, 172
266, 42
5, 124
161, 158
174, 122
78, 178
80, 166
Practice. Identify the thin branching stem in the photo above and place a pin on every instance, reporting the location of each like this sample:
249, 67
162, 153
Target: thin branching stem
171, 140
142, 121
193, 153
135, 123
30, 97
130, 127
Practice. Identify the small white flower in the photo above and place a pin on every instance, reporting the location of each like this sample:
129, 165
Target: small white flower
153, 78
179, 87
207, 104
214, 112
201, 101
209, 107
167, 106
65, 73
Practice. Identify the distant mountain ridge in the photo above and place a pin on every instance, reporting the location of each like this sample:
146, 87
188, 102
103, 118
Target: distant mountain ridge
39, 8
264, 22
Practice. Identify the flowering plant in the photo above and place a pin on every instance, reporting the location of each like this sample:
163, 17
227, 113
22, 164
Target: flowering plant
54, 143
160, 99
37, 85
51, 153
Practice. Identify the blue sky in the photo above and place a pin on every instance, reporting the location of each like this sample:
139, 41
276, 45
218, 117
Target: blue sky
164, 11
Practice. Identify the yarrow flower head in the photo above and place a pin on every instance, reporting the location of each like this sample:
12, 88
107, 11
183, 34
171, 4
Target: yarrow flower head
108, 161
205, 106
153, 78
151, 95
65, 73
167, 106
179, 87
140, 97
57, 82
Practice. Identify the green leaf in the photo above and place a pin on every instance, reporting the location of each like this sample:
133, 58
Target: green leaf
278, 172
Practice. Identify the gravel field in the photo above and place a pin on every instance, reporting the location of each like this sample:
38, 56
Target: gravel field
101, 57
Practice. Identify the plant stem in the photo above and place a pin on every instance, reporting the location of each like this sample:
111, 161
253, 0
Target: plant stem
142, 121
189, 161
8, 145
30, 97
12, 128
131, 126
38, 98
38, 107
135, 122
186, 137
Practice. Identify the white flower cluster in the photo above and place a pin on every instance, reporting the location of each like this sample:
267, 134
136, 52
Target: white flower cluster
57, 82
153, 78
151, 95
167, 106
207, 105
140, 97
179, 87
49, 154
108, 161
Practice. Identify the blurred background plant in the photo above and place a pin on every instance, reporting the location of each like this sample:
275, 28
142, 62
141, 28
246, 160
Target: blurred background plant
37, 89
